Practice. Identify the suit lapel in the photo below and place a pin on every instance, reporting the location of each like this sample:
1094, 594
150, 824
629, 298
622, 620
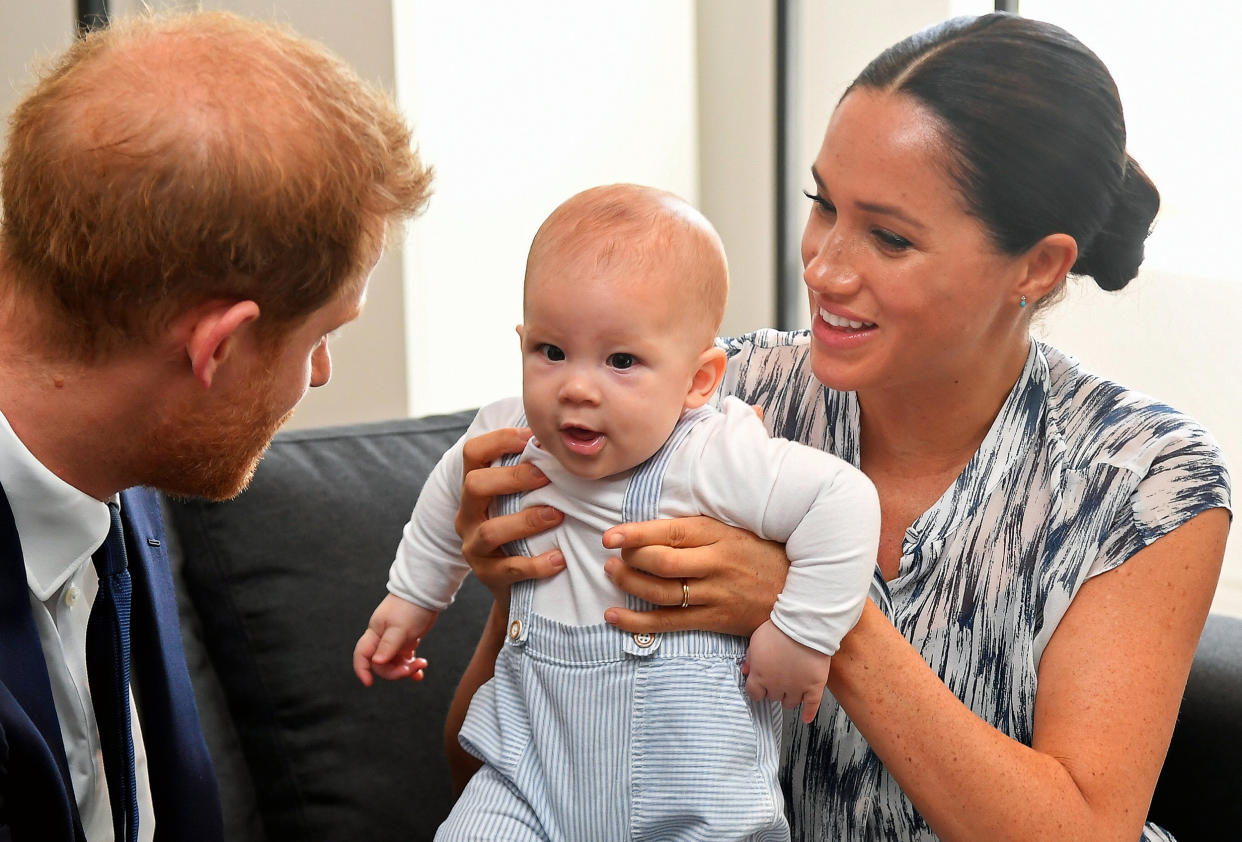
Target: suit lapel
23, 673
183, 783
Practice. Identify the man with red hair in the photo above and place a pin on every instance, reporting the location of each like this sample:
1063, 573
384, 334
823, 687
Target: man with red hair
191, 206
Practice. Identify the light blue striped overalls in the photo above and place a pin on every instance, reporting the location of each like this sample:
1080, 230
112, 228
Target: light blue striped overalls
590, 733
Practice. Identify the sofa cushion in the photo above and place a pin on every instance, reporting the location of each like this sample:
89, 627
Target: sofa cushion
1200, 791
283, 580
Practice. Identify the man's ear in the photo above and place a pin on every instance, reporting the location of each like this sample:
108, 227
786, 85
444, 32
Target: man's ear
1047, 263
213, 334
706, 378
521, 332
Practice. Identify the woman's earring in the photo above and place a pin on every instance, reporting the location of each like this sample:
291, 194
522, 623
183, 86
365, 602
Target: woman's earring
1022, 303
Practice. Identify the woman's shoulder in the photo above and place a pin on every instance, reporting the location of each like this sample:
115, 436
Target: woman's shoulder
1156, 464
1100, 420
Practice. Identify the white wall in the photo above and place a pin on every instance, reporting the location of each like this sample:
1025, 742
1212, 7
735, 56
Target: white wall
29, 33
520, 105
736, 79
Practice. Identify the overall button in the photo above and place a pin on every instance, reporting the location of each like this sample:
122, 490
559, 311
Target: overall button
644, 639
72, 594
515, 629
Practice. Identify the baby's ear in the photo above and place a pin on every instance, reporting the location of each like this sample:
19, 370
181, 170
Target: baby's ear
706, 377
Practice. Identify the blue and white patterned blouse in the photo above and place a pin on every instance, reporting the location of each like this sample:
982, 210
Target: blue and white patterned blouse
1075, 475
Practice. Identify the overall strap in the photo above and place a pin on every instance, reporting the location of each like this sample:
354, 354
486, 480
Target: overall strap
642, 497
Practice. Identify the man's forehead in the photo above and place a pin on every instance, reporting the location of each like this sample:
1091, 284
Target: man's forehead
353, 300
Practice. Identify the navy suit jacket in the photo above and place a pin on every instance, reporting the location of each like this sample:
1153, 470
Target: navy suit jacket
36, 796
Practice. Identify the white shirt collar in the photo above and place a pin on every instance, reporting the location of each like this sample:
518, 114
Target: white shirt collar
59, 526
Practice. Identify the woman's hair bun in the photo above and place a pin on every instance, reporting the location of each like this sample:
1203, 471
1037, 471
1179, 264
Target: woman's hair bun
1114, 255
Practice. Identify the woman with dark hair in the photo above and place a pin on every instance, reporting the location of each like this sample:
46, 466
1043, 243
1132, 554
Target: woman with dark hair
1050, 540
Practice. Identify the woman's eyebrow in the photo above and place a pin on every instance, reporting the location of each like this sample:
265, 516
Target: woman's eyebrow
871, 207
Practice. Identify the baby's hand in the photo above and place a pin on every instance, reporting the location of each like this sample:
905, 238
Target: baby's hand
778, 667
388, 645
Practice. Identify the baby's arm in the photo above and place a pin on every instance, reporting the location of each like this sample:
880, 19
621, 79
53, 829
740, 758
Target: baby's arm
424, 576
827, 514
390, 643
779, 667
832, 553
428, 568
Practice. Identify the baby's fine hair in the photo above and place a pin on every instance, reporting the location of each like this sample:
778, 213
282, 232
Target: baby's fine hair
638, 227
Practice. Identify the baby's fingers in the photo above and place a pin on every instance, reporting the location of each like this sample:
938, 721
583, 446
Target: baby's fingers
810, 703
756, 689
407, 666
363, 652
390, 645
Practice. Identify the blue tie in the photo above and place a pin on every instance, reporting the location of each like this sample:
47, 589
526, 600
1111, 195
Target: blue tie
107, 668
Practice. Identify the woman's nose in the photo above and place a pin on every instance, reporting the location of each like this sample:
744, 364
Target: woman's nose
828, 266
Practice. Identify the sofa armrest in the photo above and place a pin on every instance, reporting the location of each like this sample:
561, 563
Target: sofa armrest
282, 581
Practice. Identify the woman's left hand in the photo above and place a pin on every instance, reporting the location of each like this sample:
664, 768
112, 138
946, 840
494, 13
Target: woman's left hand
727, 577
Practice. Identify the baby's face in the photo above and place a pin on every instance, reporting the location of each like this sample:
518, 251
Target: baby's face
606, 364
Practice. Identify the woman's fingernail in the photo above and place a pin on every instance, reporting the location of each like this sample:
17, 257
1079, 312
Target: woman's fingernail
610, 567
612, 540
556, 560
549, 515
610, 617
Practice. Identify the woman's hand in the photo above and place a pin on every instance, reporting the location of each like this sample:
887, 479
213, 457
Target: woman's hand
730, 576
482, 542
483, 537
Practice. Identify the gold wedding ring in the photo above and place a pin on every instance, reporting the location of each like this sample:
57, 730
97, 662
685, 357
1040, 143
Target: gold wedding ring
685, 594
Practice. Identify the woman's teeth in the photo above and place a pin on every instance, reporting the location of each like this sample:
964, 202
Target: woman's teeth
839, 321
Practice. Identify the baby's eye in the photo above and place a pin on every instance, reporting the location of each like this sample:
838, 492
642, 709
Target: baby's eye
622, 361
552, 352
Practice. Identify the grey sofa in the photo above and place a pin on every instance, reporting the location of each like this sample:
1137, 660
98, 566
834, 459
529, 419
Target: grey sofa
277, 585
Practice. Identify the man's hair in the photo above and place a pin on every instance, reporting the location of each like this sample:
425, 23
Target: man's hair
637, 227
167, 161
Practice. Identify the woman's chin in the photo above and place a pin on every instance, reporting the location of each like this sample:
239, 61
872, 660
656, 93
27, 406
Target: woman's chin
833, 372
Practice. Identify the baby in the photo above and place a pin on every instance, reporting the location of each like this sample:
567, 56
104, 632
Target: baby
587, 732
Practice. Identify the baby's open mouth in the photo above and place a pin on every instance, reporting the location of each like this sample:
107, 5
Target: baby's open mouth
582, 440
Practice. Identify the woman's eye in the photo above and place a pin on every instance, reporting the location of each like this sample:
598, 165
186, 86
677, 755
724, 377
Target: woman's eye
621, 360
552, 352
820, 202
891, 241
